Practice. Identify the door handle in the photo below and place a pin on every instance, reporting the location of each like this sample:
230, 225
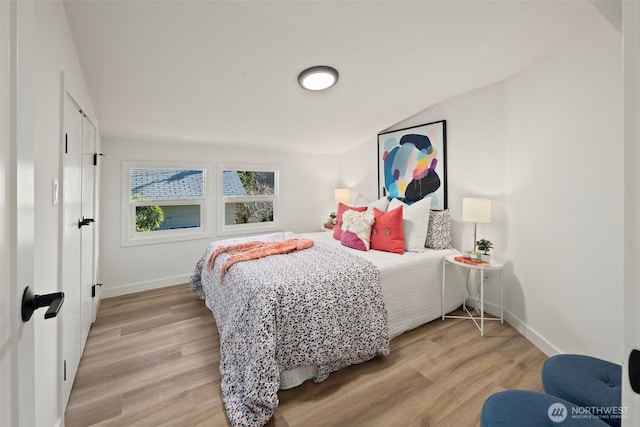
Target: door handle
634, 370
31, 303
85, 221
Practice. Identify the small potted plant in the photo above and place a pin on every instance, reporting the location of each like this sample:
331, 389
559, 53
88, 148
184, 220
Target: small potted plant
484, 246
332, 218
331, 221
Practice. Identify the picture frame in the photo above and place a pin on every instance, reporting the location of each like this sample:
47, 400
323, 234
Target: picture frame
412, 164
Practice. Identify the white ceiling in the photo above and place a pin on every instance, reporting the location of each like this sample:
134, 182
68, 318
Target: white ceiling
226, 71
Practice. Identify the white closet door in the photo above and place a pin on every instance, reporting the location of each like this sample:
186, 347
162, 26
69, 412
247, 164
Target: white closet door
71, 244
87, 265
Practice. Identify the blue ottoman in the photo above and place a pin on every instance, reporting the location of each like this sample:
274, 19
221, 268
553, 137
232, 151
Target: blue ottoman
524, 408
587, 382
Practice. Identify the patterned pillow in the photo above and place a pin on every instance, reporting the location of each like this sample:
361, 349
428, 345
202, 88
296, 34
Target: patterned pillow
386, 232
342, 208
356, 229
439, 231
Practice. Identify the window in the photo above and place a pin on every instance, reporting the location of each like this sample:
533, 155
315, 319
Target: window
249, 199
163, 202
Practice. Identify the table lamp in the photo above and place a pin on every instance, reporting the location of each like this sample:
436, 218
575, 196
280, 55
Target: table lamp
476, 211
342, 195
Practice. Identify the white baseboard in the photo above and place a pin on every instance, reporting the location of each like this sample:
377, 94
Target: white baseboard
130, 288
530, 334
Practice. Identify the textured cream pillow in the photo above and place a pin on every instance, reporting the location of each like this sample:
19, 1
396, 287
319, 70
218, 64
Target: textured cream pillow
415, 222
356, 229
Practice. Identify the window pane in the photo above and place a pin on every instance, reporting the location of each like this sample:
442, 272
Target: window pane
248, 183
248, 213
162, 184
152, 218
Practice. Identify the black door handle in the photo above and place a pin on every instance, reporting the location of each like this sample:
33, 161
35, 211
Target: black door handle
85, 221
31, 303
634, 370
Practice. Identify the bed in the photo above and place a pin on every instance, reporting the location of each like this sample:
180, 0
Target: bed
411, 284
288, 318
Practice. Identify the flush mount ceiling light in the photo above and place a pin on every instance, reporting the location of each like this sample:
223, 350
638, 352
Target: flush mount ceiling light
320, 77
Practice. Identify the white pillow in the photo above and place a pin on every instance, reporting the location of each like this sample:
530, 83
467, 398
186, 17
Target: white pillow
415, 222
361, 200
381, 203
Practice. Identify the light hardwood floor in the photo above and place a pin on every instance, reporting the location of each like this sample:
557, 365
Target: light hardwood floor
152, 360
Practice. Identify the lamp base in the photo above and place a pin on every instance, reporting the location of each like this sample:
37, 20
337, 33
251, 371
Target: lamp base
475, 240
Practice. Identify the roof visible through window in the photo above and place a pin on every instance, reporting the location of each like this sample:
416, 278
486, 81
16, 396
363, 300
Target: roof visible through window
162, 184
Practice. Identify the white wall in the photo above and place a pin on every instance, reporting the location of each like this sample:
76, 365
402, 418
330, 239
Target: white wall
475, 158
475, 162
54, 52
307, 182
546, 147
631, 293
565, 186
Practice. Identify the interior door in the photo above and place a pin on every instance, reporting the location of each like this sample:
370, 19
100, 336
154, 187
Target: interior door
87, 267
71, 214
17, 382
6, 356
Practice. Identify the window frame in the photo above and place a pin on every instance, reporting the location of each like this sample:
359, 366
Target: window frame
255, 227
131, 237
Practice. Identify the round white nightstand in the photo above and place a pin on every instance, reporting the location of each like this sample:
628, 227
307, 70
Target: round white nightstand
482, 267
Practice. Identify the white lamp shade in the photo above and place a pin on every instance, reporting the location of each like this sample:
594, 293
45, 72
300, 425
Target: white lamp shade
342, 195
476, 210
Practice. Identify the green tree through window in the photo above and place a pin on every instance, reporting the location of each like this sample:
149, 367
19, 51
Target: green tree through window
149, 218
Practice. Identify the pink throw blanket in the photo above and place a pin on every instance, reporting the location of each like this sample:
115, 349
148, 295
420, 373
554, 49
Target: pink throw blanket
254, 250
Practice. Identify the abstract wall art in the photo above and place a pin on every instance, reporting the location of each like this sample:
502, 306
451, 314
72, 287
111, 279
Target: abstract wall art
412, 164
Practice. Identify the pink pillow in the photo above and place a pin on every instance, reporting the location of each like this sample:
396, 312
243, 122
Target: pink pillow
356, 232
387, 232
337, 230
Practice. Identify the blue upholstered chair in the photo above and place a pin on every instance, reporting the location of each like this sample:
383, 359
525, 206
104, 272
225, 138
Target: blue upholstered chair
524, 408
587, 382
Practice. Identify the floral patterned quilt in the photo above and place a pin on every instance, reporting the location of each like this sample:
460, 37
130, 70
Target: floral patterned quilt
319, 306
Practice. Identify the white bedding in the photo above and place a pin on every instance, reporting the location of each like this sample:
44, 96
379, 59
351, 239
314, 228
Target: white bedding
412, 288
